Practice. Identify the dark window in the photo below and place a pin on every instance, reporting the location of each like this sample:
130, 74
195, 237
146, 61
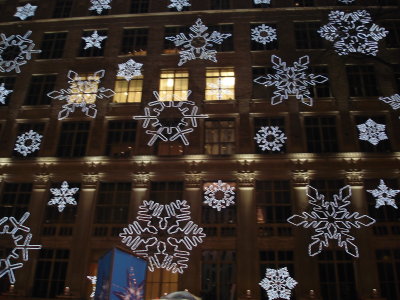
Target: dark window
15, 199
139, 6
362, 81
320, 90
259, 90
307, 36
388, 264
321, 134
134, 41
264, 122
73, 139
62, 9
396, 69
219, 137
172, 31
260, 46
9, 83
165, 192
26, 128
366, 146
220, 4
92, 51
39, 87
303, 2
121, 138
227, 44
53, 45
328, 188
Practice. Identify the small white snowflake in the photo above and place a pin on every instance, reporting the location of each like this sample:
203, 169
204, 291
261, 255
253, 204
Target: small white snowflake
94, 40
28, 142
291, 80
198, 44
263, 34
99, 5
384, 195
129, 69
278, 283
346, 1
4, 93
262, 1
219, 195
352, 32
93, 281
393, 101
63, 196
372, 132
15, 51
270, 138
25, 11
179, 4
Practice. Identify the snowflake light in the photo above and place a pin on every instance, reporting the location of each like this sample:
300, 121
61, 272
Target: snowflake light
270, 138
346, 1
263, 34
262, 1
219, 195
25, 11
93, 281
218, 90
163, 234
4, 93
28, 142
129, 69
179, 4
99, 5
171, 119
352, 32
15, 51
331, 220
384, 195
63, 196
393, 101
372, 132
21, 236
94, 40
291, 80
278, 283
198, 44
82, 93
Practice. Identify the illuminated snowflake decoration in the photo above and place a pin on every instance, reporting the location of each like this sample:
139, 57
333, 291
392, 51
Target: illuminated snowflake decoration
263, 34
278, 283
129, 69
28, 142
99, 5
393, 101
15, 51
262, 1
133, 290
291, 80
384, 195
163, 234
198, 44
270, 138
25, 11
93, 281
179, 4
94, 40
346, 1
63, 196
352, 32
331, 220
372, 132
21, 236
219, 195
218, 90
171, 119
82, 93
4, 93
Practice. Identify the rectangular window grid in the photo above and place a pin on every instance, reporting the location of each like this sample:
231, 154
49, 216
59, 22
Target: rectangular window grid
121, 136
169, 46
307, 36
134, 41
128, 91
73, 139
24, 128
392, 40
320, 90
62, 9
165, 192
219, 137
227, 44
220, 4
39, 87
174, 85
365, 146
92, 51
260, 91
260, 46
15, 199
388, 264
362, 81
139, 6
53, 45
264, 122
321, 134
220, 84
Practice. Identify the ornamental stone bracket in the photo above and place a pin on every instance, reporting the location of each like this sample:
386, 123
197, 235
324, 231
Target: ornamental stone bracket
300, 178
193, 174
354, 174
140, 180
245, 174
42, 176
91, 175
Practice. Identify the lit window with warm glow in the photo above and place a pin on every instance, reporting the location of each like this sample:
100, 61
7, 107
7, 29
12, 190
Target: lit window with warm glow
174, 85
220, 84
128, 91
84, 88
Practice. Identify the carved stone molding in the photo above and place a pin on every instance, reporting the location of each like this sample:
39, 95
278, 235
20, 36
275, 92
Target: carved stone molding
245, 179
300, 177
355, 177
193, 179
245, 166
140, 179
41, 179
90, 179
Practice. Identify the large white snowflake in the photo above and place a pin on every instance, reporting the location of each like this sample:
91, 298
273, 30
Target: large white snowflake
15, 51
331, 220
219, 195
99, 5
94, 40
291, 80
372, 132
270, 138
263, 34
129, 69
384, 195
21, 236
163, 234
278, 283
63, 196
82, 93
198, 44
93, 281
28, 142
352, 32
179, 4
262, 1
393, 101
25, 11
4, 93
171, 119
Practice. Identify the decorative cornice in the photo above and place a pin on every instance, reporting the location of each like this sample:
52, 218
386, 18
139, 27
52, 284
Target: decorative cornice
193, 179
245, 179
300, 178
140, 179
355, 177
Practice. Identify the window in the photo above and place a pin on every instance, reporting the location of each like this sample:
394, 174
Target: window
219, 137
307, 36
62, 9
169, 46
303, 2
321, 134
73, 139
165, 192
39, 87
259, 46
227, 44
15, 199
9, 83
260, 91
336, 273
220, 4
327, 187
121, 138
160, 282
134, 41
139, 6
220, 84
128, 91
388, 263
174, 83
365, 146
264, 122
396, 69
392, 40
24, 128
320, 90
53, 45
362, 81
92, 51
51, 271
218, 274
